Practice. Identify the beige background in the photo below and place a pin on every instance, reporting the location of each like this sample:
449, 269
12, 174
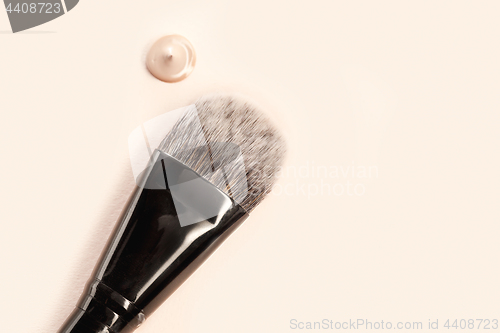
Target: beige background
410, 88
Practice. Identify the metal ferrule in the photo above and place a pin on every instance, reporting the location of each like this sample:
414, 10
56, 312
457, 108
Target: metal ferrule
173, 222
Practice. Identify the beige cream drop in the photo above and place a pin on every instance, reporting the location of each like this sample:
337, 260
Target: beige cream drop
171, 58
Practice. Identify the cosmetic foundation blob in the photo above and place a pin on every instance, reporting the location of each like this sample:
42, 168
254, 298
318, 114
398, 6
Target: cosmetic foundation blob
171, 58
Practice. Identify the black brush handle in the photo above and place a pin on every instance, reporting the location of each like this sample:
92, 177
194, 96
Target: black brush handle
173, 221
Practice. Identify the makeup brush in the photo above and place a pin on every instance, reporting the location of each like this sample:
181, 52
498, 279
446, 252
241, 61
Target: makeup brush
215, 165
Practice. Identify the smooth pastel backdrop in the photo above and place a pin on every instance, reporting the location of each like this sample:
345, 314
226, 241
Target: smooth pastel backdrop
410, 89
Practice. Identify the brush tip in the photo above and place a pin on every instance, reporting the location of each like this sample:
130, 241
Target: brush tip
220, 123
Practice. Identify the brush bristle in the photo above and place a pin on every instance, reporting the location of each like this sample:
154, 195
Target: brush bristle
229, 142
